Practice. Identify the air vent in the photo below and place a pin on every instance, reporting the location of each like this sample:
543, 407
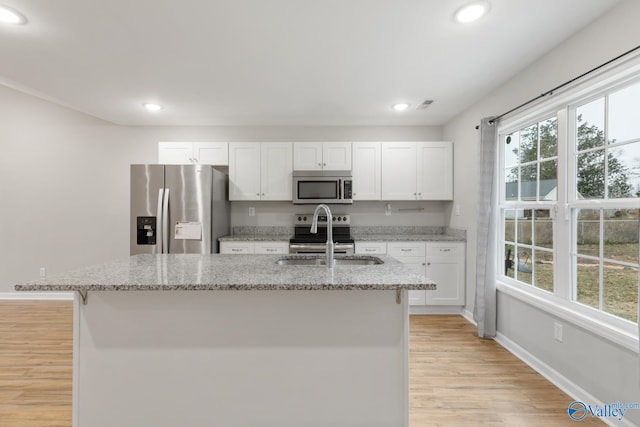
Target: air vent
424, 104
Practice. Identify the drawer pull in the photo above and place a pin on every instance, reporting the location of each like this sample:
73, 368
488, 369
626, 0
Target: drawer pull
406, 250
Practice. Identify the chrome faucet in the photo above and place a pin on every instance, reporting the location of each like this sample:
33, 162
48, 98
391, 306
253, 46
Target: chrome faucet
314, 229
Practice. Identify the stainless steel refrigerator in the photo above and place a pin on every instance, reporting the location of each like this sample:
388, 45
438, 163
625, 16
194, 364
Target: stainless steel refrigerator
178, 209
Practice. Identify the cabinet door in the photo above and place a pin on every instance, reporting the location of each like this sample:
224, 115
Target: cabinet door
371, 248
366, 170
211, 153
417, 264
307, 156
445, 265
175, 153
271, 247
276, 166
435, 171
399, 171
336, 156
244, 171
236, 247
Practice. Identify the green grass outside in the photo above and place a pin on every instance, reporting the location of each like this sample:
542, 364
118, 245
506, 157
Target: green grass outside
620, 283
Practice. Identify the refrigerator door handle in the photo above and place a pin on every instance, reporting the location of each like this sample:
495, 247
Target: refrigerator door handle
165, 222
159, 230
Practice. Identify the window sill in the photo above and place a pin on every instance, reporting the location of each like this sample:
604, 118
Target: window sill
625, 336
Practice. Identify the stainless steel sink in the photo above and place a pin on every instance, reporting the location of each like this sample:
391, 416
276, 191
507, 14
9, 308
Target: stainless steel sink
321, 260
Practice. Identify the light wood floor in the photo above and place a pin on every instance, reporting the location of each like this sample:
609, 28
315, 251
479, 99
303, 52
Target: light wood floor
457, 379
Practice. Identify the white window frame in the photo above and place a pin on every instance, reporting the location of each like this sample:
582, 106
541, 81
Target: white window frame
560, 303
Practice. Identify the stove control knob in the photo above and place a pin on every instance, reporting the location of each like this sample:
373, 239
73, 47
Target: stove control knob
304, 218
334, 218
344, 218
299, 218
339, 218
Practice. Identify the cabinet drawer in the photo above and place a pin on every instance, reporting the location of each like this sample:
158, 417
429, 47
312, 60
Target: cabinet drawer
444, 250
406, 249
236, 247
371, 248
272, 247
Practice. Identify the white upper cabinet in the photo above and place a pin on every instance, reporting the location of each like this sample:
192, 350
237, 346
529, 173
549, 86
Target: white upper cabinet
276, 168
322, 156
417, 170
399, 171
366, 170
260, 171
435, 171
211, 153
244, 171
184, 153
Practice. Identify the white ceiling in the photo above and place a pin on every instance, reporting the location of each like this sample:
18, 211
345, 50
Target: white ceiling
277, 62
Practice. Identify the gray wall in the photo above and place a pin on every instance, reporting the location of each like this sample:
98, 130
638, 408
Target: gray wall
607, 37
64, 180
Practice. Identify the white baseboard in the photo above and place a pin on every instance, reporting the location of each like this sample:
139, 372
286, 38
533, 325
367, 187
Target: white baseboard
437, 309
37, 295
469, 316
576, 392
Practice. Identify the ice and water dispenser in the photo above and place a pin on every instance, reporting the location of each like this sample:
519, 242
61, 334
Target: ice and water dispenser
146, 226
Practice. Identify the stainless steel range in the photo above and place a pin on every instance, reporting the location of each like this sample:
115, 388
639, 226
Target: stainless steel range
305, 242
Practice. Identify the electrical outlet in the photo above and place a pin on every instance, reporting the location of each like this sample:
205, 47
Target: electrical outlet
252, 211
457, 210
557, 331
43, 272
387, 209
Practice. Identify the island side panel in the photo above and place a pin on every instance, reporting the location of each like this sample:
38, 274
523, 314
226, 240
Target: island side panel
243, 358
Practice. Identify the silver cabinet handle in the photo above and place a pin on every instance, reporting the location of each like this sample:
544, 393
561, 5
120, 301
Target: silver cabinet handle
324, 164
319, 164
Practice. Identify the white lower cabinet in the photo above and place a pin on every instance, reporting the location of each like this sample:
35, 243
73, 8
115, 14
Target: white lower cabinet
271, 247
247, 247
443, 262
446, 266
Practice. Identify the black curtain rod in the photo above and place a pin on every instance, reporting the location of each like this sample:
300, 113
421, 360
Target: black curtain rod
568, 82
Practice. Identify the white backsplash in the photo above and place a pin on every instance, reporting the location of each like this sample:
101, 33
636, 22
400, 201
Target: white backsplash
362, 213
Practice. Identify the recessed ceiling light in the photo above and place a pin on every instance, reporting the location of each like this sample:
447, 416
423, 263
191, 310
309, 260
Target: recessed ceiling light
11, 16
149, 106
400, 106
471, 12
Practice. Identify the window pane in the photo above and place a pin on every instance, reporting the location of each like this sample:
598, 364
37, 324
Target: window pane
590, 125
591, 175
621, 229
548, 180
623, 171
544, 270
588, 232
529, 183
621, 291
524, 226
509, 263
588, 279
510, 225
624, 114
512, 143
529, 144
524, 265
511, 184
549, 138
543, 227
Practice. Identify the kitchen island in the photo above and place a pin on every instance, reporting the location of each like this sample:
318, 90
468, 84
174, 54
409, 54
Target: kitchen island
236, 340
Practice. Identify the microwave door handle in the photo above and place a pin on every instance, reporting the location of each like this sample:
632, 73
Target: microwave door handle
340, 189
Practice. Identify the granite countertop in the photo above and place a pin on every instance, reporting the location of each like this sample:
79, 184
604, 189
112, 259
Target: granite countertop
256, 238
362, 234
229, 272
406, 237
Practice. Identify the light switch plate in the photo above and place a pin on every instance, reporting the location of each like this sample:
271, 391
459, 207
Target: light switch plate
252, 211
557, 331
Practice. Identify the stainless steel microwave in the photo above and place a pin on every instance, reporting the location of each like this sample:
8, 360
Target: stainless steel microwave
313, 187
